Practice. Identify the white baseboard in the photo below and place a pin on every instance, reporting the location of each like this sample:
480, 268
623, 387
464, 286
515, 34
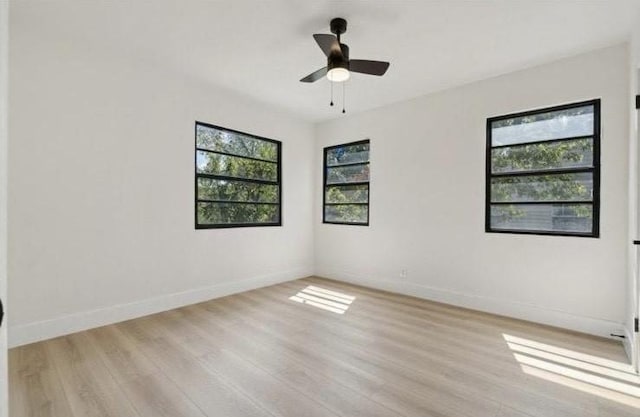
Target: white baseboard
59, 326
517, 310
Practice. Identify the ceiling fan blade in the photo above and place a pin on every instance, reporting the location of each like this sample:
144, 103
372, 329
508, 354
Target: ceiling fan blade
368, 67
328, 43
315, 76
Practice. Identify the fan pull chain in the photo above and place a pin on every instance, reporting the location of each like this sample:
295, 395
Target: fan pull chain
344, 86
331, 82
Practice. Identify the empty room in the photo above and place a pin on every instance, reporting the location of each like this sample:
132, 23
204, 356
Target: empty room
286, 208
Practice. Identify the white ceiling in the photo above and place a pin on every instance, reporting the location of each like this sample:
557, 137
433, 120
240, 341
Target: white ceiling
261, 49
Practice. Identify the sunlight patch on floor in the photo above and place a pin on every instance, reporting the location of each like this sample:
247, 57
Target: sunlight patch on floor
603, 377
324, 299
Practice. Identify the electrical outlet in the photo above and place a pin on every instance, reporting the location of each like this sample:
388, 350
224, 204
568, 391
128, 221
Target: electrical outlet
404, 273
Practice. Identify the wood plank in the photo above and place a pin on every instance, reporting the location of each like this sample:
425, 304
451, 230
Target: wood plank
279, 399
274, 359
121, 355
505, 381
35, 389
90, 388
207, 390
388, 388
148, 389
261, 354
408, 380
479, 321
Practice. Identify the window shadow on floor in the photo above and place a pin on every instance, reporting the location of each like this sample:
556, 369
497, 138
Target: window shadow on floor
595, 375
324, 299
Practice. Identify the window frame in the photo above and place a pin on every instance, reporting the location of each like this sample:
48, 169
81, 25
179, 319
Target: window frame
197, 175
595, 170
324, 183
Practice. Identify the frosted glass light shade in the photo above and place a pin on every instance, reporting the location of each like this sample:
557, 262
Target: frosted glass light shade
338, 74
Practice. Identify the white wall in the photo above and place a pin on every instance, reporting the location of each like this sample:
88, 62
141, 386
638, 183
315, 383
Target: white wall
4, 77
102, 190
631, 342
427, 202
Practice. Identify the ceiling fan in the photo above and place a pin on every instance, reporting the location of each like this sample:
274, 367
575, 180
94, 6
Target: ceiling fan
339, 66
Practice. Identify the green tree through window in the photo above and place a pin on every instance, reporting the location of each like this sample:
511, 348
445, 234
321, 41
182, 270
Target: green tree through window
237, 178
543, 171
346, 184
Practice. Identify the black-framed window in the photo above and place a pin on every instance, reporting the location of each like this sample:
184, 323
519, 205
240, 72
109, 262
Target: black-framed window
346, 184
543, 171
237, 179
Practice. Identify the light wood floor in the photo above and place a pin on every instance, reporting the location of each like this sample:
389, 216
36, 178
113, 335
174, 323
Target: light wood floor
261, 353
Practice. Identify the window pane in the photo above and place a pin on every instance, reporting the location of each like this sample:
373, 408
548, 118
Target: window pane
347, 194
543, 217
566, 154
230, 190
231, 166
229, 213
348, 154
556, 187
577, 121
235, 143
346, 213
346, 202
352, 173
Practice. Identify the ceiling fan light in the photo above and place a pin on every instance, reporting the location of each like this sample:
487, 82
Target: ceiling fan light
338, 74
